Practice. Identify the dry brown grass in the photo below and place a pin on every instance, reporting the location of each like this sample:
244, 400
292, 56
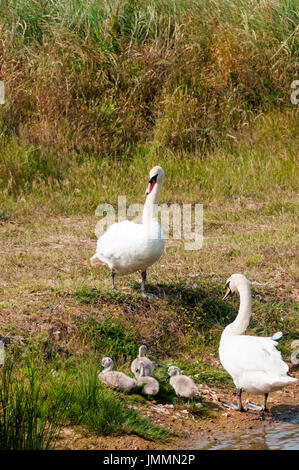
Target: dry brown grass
181, 75
46, 261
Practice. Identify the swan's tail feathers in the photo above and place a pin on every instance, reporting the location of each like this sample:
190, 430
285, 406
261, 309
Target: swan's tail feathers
292, 379
95, 261
277, 336
284, 381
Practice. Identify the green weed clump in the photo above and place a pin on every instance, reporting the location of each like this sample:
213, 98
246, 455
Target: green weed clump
30, 419
110, 337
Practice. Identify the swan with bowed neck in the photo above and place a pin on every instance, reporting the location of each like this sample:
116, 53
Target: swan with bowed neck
253, 362
127, 247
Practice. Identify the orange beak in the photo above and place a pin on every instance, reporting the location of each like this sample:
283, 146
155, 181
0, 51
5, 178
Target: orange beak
227, 293
150, 187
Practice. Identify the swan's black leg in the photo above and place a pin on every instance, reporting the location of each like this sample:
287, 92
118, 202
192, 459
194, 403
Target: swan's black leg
143, 274
265, 402
150, 296
238, 407
112, 277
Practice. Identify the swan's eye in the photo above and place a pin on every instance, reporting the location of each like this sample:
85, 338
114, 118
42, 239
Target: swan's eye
153, 179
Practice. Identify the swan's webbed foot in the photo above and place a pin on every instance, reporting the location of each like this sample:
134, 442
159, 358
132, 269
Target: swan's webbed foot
239, 406
252, 406
142, 290
234, 407
149, 296
263, 407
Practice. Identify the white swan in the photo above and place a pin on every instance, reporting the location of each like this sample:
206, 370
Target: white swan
253, 362
115, 379
183, 385
148, 365
127, 247
151, 385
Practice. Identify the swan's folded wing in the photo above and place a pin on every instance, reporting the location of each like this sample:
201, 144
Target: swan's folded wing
128, 247
252, 353
119, 238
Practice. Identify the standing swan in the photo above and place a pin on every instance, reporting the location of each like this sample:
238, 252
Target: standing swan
254, 363
127, 247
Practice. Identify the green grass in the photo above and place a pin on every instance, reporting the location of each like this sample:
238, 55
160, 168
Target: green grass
199, 87
99, 410
30, 419
204, 373
97, 93
110, 338
32, 179
36, 400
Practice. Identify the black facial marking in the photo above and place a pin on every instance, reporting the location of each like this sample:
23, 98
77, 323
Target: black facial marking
153, 178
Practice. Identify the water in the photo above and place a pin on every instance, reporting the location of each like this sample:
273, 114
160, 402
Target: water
283, 435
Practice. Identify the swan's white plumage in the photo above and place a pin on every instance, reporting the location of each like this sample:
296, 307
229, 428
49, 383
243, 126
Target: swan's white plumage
254, 363
127, 247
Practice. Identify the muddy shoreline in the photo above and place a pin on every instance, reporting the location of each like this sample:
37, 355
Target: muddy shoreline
192, 432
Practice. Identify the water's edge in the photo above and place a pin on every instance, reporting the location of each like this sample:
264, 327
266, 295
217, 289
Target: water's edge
281, 435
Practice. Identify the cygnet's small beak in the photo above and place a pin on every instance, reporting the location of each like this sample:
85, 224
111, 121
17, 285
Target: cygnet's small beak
167, 378
101, 368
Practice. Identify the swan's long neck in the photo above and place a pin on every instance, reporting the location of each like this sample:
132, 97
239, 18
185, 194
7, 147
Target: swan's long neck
141, 352
238, 327
150, 209
141, 371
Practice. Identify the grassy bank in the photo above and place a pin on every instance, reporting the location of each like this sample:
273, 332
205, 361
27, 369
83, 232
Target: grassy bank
96, 94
